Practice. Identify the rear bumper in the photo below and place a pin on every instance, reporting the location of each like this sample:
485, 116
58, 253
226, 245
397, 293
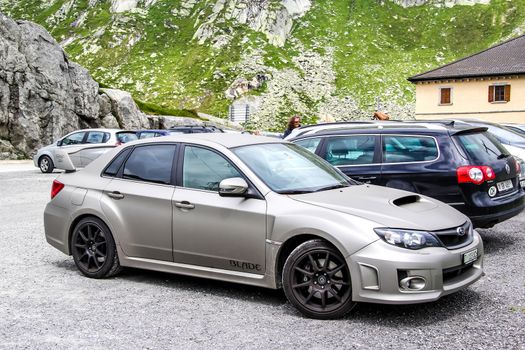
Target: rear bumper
485, 212
377, 270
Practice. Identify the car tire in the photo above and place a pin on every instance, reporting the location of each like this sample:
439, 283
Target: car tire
94, 250
316, 280
46, 164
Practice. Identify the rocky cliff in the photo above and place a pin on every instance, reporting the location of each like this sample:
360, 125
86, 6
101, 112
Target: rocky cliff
331, 59
44, 95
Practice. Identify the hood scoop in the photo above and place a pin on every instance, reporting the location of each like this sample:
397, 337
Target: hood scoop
406, 200
415, 203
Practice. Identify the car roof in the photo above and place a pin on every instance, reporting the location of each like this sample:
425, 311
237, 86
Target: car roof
412, 126
228, 140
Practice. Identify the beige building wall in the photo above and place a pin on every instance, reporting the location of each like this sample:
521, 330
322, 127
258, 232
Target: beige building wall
469, 99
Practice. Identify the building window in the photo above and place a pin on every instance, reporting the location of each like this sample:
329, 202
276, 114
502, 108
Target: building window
499, 93
445, 96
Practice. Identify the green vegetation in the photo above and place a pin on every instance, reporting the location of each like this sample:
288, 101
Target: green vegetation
154, 109
375, 46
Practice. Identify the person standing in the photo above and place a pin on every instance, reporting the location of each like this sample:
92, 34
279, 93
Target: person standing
293, 123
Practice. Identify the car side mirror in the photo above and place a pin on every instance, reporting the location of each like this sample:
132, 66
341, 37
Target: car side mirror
233, 187
59, 143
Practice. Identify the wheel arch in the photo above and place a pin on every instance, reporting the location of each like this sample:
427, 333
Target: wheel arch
289, 245
74, 224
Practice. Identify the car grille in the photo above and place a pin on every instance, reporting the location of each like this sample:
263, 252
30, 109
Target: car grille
452, 238
450, 273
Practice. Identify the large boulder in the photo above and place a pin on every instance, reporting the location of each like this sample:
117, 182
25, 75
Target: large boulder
43, 95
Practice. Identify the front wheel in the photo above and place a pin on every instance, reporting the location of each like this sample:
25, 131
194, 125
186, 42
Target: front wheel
94, 250
316, 280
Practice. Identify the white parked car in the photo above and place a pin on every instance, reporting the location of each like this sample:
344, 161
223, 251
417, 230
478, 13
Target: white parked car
82, 147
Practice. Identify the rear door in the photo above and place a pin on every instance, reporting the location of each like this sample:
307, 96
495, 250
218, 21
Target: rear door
412, 163
95, 145
139, 198
357, 155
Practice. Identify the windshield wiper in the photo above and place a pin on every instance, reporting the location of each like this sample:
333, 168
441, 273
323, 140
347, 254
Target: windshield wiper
331, 187
295, 192
503, 155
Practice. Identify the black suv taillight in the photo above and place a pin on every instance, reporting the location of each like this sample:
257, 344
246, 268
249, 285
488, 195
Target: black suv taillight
475, 174
56, 188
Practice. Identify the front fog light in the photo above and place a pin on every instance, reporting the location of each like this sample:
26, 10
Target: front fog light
492, 191
413, 283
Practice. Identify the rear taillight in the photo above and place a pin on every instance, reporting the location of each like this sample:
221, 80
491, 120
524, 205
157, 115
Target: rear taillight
56, 188
518, 167
475, 174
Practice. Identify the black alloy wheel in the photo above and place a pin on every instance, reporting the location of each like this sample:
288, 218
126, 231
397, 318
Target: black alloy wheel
94, 250
316, 279
46, 164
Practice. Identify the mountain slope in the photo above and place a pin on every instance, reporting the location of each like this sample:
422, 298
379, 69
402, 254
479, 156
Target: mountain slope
327, 58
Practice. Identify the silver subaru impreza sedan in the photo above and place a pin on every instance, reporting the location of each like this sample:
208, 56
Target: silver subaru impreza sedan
264, 212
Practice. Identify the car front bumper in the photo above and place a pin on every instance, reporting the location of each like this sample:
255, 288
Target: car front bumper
377, 271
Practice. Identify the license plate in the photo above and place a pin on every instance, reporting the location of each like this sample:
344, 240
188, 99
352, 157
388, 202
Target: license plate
504, 185
471, 256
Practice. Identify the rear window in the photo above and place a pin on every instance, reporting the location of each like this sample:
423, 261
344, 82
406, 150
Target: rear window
482, 148
116, 163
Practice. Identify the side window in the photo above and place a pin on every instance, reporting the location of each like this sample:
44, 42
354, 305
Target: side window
150, 163
116, 163
124, 137
97, 137
401, 149
309, 144
74, 139
204, 169
351, 150
147, 135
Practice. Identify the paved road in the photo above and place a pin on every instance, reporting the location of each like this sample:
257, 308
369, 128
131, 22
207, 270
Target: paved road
46, 304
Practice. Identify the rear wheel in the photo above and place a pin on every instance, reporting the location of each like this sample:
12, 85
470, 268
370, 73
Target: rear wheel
316, 280
94, 250
46, 164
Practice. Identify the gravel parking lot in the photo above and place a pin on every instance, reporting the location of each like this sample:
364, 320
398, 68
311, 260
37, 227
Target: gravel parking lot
45, 303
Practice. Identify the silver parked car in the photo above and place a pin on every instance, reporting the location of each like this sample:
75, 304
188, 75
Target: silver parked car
264, 212
82, 147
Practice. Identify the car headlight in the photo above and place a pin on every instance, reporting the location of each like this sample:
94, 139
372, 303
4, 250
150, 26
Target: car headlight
407, 238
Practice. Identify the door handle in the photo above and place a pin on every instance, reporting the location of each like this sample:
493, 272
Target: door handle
184, 205
115, 195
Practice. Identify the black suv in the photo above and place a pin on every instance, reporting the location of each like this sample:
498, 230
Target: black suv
461, 165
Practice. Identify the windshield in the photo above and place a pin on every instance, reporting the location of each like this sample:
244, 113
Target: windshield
290, 169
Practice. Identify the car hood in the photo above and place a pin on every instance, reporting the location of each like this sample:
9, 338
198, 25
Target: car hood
388, 207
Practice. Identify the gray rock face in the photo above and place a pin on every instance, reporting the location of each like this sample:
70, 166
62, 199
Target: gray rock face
44, 96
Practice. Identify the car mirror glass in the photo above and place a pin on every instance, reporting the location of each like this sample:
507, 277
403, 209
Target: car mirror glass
233, 187
59, 143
